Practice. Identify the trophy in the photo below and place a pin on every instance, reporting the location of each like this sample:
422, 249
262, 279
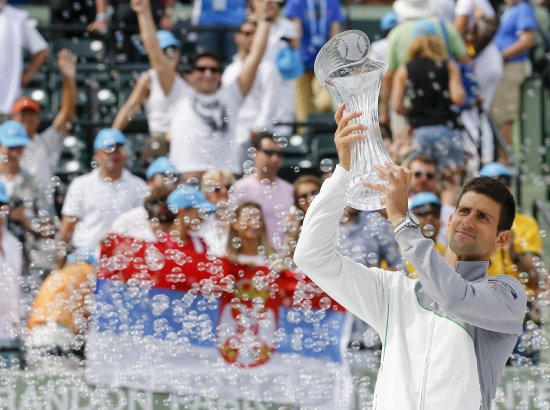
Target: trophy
344, 69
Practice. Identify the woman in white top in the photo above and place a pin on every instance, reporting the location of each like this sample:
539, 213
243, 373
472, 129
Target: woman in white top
247, 242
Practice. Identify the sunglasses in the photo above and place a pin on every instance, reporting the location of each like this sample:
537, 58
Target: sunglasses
170, 51
202, 69
218, 188
270, 152
305, 195
429, 175
427, 209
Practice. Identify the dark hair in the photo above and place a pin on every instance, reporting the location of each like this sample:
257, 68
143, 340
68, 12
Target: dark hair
497, 192
257, 138
206, 53
424, 158
247, 21
157, 206
302, 180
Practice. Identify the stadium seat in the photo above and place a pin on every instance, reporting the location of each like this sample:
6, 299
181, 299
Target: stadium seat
87, 50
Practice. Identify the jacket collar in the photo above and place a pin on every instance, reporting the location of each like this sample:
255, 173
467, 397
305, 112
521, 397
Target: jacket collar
472, 271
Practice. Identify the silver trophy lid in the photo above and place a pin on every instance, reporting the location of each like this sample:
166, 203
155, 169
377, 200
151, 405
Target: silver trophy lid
349, 49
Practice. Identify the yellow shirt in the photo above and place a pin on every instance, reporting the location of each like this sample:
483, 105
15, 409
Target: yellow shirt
526, 240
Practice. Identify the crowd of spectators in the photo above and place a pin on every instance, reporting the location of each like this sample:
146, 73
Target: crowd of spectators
217, 139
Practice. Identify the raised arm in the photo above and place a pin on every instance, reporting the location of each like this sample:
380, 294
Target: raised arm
139, 94
99, 25
37, 61
252, 61
166, 73
398, 91
66, 63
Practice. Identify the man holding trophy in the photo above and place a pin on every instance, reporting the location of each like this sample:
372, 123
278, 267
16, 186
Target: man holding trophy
447, 335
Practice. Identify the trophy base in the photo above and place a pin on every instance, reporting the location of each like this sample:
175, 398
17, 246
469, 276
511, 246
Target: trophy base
360, 197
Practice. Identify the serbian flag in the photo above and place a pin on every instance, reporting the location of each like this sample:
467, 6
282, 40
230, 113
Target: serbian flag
167, 319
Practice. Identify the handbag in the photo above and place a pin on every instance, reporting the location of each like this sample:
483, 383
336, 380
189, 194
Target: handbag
482, 32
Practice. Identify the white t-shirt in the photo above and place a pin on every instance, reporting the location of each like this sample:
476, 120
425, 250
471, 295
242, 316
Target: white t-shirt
97, 203
282, 27
134, 223
9, 184
466, 8
17, 33
379, 50
203, 127
11, 263
261, 104
257, 260
157, 106
445, 9
41, 156
215, 234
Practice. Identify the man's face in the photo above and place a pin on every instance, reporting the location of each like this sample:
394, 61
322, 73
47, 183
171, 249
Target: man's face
112, 159
206, 75
472, 230
272, 9
424, 177
244, 37
269, 157
30, 120
12, 154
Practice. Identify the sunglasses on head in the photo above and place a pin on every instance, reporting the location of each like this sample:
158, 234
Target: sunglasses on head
270, 152
305, 195
429, 175
203, 69
219, 187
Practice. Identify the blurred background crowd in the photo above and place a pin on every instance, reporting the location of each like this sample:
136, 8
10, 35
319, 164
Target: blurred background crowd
203, 126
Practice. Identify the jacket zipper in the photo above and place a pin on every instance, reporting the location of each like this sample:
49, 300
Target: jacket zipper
427, 362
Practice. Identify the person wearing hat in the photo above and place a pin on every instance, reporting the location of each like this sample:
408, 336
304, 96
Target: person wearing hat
260, 106
379, 48
203, 113
399, 40
427, 208
524, 250
11, 269
42, 154
27, 198
191, 208
136, 222
95, 199
148, 92
317, 21
19, 34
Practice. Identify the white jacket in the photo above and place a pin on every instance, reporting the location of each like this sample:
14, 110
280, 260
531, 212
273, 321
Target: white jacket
446, 336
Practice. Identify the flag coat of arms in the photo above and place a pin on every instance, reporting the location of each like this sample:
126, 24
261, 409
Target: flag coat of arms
167, 319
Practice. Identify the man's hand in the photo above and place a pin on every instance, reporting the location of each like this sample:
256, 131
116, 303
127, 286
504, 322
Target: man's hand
66, 63
140, 6
397, 191
98, 26
345, 134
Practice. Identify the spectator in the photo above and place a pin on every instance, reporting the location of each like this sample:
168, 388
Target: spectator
316, 21
514, 38
136, 222
265, 188
258, 109
203, 116
190, 207
426, 206
11, 270
29, 205
18, 35
149, 93
306, 187
425, 178
218, 20
41, 156
95, 199
123, 25
216, 185
379, 48
247, 242
399, 40
433, 83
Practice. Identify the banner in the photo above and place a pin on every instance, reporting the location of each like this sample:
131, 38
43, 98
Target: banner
166, 319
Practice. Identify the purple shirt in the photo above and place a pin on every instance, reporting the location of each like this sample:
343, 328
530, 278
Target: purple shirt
275, 199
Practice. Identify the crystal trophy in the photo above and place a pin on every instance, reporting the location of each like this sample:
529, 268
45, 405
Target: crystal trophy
343, 67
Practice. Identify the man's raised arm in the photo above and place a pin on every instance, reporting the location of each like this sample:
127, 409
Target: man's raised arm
166, 73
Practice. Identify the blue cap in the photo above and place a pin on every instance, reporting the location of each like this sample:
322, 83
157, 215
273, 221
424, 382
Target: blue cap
108, 137
424, 198
167, 39
424, 28
81, 255
389, 21
13, 134
189, 196
289, 62
494, 169
160, 166
4, 197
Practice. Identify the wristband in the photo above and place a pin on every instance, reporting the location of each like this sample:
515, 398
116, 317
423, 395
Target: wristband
101, 16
